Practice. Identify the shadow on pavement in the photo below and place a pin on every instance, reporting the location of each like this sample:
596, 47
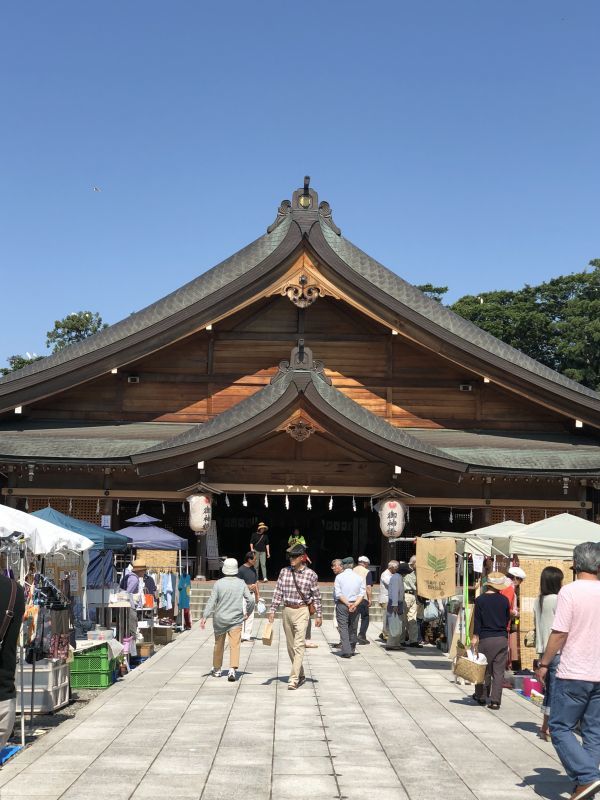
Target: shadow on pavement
549, 783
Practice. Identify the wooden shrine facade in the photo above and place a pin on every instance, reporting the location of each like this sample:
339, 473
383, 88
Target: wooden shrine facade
299, 365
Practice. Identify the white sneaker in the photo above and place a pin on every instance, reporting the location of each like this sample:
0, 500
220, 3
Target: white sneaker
231, 676
216, 673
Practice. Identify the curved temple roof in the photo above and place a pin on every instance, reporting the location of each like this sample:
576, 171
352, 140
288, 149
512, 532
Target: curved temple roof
183, 311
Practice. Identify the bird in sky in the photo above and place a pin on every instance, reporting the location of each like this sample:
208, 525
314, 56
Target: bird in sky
97, 189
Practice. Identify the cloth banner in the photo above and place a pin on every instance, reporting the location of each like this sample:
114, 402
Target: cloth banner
435, 568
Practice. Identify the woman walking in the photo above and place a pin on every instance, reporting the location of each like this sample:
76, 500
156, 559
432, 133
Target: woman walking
225, 605
543, 610
491, 620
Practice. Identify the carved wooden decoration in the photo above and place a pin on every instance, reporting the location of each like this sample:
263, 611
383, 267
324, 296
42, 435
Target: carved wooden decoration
302, 294
300, 429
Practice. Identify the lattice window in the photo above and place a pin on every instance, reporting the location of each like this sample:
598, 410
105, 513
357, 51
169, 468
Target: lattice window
526, 515
79, 507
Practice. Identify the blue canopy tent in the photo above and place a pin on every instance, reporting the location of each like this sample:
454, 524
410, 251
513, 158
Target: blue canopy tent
103, 539
151, 537
100, 567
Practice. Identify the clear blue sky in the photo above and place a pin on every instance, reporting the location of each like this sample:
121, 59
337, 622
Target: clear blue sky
457, 142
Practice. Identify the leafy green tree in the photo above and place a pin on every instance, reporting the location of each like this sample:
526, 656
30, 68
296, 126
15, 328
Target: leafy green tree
557, 322
17, 362
435, 292
74, 328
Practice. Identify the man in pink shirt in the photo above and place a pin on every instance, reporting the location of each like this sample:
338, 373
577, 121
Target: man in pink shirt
576, 699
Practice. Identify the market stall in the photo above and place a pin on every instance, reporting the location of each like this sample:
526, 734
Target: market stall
161, 551
26, 542
100, 570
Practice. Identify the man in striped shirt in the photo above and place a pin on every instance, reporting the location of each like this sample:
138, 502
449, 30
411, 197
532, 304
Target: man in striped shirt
297, 588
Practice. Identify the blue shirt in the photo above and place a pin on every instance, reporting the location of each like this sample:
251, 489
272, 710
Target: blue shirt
349, 585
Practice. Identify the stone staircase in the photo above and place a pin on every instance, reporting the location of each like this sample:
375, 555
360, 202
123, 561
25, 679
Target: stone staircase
201, 592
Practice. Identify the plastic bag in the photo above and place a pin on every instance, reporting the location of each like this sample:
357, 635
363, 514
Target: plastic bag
261, 607
431, 612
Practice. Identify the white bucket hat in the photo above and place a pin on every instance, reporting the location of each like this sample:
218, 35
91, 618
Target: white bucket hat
230, 567
363, 560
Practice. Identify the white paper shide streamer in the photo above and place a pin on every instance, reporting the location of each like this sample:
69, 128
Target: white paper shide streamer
200, 512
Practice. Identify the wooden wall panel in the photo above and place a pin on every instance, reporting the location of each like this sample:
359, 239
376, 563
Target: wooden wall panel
209, 372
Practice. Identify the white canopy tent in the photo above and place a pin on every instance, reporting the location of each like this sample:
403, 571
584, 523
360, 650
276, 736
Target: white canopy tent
40, 536
465, 542
554, 537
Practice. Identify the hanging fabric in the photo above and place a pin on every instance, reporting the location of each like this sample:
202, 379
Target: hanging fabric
308, 503
163, 507
137, 509
227, 503
266, 501
471, 516
97, 506
503, 515
451, 517
408, 513
71, 505
244, 500
287, 503
522, 516
353, 503
26, 504
331, 503
430, 517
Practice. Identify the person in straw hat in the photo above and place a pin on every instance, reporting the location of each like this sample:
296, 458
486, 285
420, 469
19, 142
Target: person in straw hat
226, 606
259, 544
490, 637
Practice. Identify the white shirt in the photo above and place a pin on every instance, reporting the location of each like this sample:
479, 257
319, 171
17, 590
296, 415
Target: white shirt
384, 582
349, 585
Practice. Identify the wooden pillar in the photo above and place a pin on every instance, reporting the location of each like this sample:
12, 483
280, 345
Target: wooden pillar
487, 495
582, 497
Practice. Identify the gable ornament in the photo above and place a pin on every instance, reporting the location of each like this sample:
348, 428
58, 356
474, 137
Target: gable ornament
303, 293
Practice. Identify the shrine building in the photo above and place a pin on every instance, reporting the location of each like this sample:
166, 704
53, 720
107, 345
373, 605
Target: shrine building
299, 379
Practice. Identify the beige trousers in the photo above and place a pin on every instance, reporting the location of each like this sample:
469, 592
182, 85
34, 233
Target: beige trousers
410, 618
384, 627
7, 720
234, 636
295, 621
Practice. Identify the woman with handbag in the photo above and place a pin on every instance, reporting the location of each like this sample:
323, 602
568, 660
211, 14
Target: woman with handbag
490, 637
543, 611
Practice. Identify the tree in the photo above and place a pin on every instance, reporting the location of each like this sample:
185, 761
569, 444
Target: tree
74, 327
18, 362
557, 322
435, 292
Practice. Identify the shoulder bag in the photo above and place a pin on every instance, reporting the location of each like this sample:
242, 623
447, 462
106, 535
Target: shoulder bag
10, 612
311, 606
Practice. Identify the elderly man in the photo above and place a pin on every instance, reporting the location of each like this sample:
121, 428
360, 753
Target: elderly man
348, 593
362, 569
298, 589
394, 611
384, 582
412, 607
576, 691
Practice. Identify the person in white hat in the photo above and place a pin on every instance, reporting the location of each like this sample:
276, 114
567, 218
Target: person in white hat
516, 576
226, 606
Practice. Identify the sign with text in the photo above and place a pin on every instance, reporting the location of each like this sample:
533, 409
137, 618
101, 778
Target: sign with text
435, 568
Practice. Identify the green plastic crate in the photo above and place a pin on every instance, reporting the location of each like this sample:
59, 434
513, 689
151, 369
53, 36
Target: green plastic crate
94, 662
92, 680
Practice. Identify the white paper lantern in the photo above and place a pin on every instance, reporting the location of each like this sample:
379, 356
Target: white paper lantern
200, 512
392, 518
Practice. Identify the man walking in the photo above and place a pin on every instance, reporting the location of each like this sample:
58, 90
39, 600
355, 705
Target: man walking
247, 573
259, 544
362, 569
298, 589
411, 605
576, 690
348, 593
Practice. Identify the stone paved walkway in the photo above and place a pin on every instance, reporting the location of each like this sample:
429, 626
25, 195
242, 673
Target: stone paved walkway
388, 725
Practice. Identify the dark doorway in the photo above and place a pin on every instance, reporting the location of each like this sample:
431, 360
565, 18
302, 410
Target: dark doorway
329, 534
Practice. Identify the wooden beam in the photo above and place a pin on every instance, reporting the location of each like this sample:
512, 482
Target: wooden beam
261, 488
